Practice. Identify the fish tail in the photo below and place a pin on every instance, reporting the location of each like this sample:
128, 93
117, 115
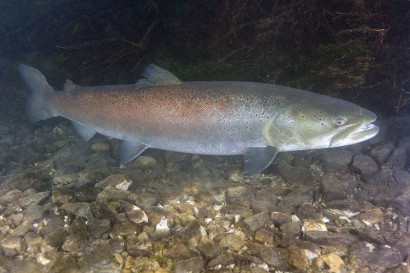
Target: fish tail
37, 107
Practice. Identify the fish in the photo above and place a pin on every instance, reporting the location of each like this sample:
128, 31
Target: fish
253, 119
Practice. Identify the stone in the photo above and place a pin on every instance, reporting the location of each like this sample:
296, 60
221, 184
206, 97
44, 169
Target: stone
397, 159
399, 240
98, 227
241, 196
146, 162
377, 258
134, 213
35, 198
402, 202
69, 159
338, 185
78, 209
336, 159
139, 249
381, 152
178, 251
10, 196
296, 198
256, 221
101, 256
33, 213
112, 180
24, 227
273, 256
11, 245
349, 204
194, 265
16, 219
308, 211
61, 195
65, 179
15, 265
186, 218
33, 242
221, 260
110, 194
372, 216
325, 238
209, 249
365, 165
54, 231
298, 257
291, 231
295, 175
147, 264
77, 235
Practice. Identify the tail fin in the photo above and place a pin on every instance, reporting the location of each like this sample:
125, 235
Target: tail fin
37, 107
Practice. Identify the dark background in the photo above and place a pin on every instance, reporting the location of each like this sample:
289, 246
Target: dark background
355, 49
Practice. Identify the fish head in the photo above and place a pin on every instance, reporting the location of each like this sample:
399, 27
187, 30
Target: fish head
319, 122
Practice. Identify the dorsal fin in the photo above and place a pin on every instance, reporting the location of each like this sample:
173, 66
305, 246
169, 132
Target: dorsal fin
155, 75
69, 85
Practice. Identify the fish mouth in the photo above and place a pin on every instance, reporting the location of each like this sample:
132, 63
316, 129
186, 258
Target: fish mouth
364, 132
356, 133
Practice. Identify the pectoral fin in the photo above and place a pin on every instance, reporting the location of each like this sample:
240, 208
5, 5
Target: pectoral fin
256, 159
130, 150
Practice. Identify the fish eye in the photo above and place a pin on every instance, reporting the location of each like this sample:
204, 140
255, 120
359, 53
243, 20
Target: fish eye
340, 121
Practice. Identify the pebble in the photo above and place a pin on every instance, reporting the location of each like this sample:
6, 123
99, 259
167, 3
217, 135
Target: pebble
101, 147
113, 181
273, 256
339, 241
15, 265
194, 265
209, 249
299, 258
334, 262
279, 218
136, 215
313, 225
233, 241
267, 236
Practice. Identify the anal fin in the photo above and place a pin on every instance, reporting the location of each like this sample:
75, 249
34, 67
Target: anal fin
256, 159
130, 150
85, 132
